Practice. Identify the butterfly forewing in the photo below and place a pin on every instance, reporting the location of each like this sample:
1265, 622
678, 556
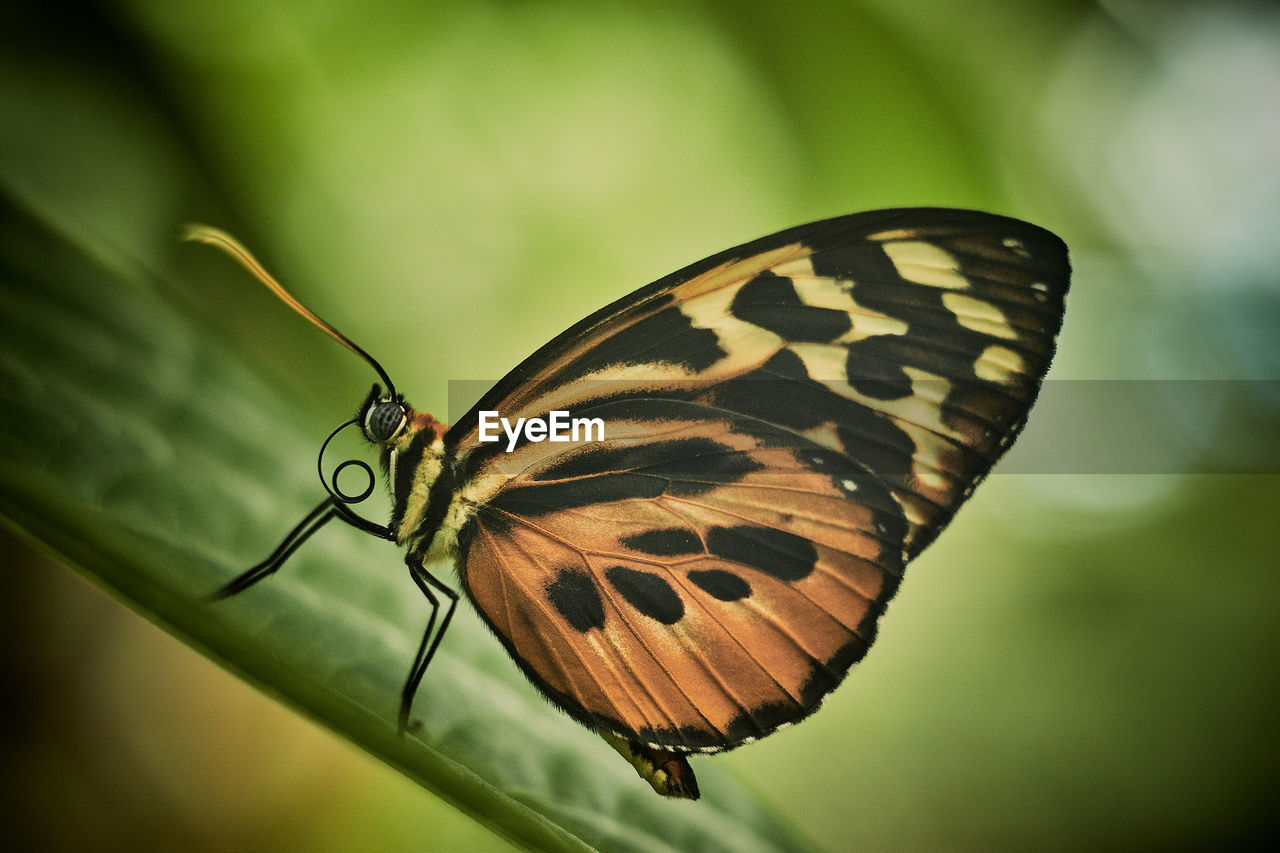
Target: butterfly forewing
786, 423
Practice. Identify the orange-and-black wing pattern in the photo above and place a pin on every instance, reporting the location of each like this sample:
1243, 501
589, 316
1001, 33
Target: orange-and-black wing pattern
786, 424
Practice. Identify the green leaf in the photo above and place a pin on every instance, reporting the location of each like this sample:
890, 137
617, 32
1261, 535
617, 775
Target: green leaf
151, 459
160, 451
150, 455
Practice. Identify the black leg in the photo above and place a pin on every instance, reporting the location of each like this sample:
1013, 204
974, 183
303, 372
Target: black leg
328, 510
411, 685
427, 649
379, 530
317, 518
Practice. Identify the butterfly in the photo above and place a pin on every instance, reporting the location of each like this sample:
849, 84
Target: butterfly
783, 427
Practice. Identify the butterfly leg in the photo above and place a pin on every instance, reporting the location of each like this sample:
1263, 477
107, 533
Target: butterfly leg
328, 510
427, 649
317, 518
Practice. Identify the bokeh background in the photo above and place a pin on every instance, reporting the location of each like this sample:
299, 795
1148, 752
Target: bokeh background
1089, 657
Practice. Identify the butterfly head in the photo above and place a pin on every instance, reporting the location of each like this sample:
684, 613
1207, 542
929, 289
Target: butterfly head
382, 417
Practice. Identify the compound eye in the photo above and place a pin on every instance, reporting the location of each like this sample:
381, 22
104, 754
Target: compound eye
383, 420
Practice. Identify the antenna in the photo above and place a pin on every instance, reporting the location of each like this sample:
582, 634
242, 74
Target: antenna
231, 246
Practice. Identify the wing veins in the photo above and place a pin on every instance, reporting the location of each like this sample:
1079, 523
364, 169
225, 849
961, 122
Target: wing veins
618, 655
607, 663
506, 573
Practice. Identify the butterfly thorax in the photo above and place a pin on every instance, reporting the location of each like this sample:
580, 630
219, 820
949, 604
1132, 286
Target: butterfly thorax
416, 463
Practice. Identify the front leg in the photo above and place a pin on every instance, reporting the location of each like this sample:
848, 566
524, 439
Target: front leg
328, 510
427, 648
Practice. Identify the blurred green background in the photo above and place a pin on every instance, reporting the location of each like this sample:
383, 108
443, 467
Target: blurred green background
1088, 657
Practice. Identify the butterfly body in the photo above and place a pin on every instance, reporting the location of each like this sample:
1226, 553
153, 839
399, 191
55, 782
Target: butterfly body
786, 424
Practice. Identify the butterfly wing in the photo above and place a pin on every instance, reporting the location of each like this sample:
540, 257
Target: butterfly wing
787, 423
693, 581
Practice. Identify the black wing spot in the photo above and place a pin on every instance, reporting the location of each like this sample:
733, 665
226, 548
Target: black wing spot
648, 593
723, 585
858, 262
668, 337
873, 368
546, 498
783, 555
770, 301
784, 363
682, 458
665, 542
713, 465
778, 391
877, 443
574, 595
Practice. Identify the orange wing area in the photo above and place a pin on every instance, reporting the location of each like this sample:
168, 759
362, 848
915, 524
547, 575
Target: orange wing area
692, 591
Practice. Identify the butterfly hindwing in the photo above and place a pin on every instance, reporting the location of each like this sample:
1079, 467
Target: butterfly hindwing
692, 582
